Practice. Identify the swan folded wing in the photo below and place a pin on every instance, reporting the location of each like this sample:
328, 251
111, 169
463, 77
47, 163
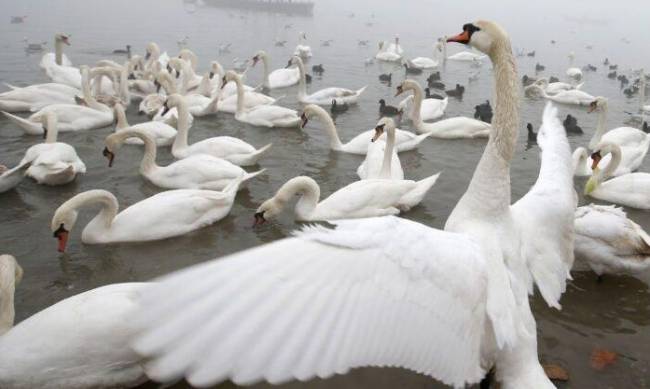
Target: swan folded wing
545, 214
609, 224
372, 292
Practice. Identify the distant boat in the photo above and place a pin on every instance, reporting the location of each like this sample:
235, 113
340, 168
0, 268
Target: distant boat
298, 7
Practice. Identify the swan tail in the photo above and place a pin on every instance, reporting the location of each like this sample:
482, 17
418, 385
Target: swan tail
249, 176
580, 85
414, 197
255, 156
29, 127
360, 91
233, 186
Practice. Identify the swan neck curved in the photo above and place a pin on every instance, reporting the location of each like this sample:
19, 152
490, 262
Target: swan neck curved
388, 154
335, 141
7, 291
579, 158
106, 199
613, 164
600, 127
309, 192
182, 126
148, 163
121, 117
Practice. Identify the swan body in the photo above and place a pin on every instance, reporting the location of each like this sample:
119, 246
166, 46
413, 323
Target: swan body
323, 96
387, 55
10, 178
360, 199
404, 140
52, 162
279, 78
161, 216
552, 88
631, 190
573, 72
571, 97
199, 171
609, 242
381, 160
425, 62
466, 56
35, 97
422, 109
58, 67
356, 295
80, 342
160, 132
231, 149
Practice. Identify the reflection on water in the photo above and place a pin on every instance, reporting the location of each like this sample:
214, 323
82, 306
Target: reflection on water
612, 315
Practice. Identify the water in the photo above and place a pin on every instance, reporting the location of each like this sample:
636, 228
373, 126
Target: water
613, 315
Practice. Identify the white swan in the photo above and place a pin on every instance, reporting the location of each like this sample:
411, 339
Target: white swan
323, 96
384, 291
569, 97
422, 109
452, 128
425, 62
35, 97
80, 342
10, 178
573, 72
360, 199
631, 190
199, 171
384, 54
57, 66
463, 56
395, 47
302, 49
404, 140
52, 162
229, 148
58, 57
609, 242
70, 117
160, 132
153, 55
279, 78
161, 216
190, 81
552, 88
381, 160
197, 104
260, 115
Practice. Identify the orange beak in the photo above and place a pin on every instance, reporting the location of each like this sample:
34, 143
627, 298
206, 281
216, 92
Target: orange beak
63, 240
463, 38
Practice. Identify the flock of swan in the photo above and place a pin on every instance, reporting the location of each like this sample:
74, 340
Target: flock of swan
375, 289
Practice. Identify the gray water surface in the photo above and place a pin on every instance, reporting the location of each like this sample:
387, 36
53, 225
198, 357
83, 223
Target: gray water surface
614, 315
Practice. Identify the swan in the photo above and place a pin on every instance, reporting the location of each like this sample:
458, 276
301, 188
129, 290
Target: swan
58, 57
10, 178
452, 128
323, 96
52, 162
190, 81
552, 88
395, 46
161, 216
80, 342
160, 132
360, 199
631, 189
384, 291
229, 148
404, 140
189, 56
381, 160
153, 55
302, 49
279, 78
463, 56
60, 70
70, 117
610, 243
424, 62
572, 71
387, 55
569, 97
216, 76
423, 109
260, 115
35, 97
199, 171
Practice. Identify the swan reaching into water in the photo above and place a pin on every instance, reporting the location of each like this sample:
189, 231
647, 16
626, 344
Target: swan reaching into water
381, 159
631, 189
199, 171
404, 140
52, 162
610, 243
164, 215
323, 96
80, 342
34, 97
356, 295
229, 148
279, 78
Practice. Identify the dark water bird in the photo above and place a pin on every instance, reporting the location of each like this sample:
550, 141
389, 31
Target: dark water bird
412, 70
613, 67
623, 79
126, 51
645, 128
363, 42
456, 92
338, 107
18, 19
280, 43
606, 61
326, 42
387, 110
308, 78
288, 26
531, 54
436, 85
590, 68
571, 125
526, 80
433, 77
318, 68
630, 91
612, 75
539, 67
386, 77
552, 42
484, 112
430, 95
532, 135
553, 79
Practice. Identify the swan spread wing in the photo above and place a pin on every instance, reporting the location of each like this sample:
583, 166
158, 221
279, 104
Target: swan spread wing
545, 214
372, 292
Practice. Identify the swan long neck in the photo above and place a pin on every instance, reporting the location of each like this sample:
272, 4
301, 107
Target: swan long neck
58, 51
388, 154
417, 104
148, 163
600, 127
579, 158
106, 199
309, 192
182, 126
205, 86
7, 291
613, 164
302, 83
121, 117
323, 116
265, 63
124, 86
240, 95
52, 128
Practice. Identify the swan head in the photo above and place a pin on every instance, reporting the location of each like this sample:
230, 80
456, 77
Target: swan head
600, 103
215, 69
404, 86
230, 75
482, 35
384, 125
295, 60
269, 209
258, 56
152, 50
172, 101
63, 221
61, 37
9, 265
309, 111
